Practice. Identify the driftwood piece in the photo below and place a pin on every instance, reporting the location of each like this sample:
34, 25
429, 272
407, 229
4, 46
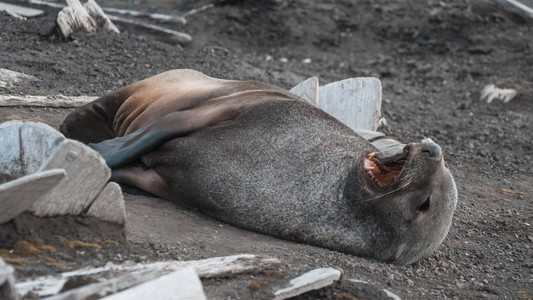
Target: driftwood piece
205, 268
87, 17
74, 18
178, 285
307, 90
19, 195
9, 78
20, 10
7, 282
180, 37
46, 3
160, 17
10, 146
87, 174
109, 205
39, 140
356, 101
98, 15
312, 280
45, 101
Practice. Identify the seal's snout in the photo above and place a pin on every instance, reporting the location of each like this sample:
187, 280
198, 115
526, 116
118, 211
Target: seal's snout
434, 151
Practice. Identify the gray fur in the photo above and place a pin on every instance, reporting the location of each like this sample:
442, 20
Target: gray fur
283, 169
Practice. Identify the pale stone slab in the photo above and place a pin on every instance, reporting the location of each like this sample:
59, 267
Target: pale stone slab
369, 135
7, 282
87, 174
388, 147
355, 102
178, 285
307, 90
39, 140
20, 10
205, 268
10, 163
109, 205
312, 280
19, 195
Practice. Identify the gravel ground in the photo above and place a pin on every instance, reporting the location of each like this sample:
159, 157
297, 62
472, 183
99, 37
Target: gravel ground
433, 58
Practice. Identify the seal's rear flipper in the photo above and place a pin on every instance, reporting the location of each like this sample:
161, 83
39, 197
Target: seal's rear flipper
142, 179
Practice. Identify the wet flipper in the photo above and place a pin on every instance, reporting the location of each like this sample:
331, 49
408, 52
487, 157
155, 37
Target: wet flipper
121, 151
143, 179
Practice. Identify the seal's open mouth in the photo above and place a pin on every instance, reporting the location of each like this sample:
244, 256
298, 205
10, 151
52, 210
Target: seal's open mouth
387, 170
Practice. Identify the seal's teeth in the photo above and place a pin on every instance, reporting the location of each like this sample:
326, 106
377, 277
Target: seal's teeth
369, 165
371, 155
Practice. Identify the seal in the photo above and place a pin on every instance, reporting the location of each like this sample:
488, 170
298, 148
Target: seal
258, 157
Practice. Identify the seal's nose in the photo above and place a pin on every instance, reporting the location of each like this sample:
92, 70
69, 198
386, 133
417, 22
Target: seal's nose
433, 150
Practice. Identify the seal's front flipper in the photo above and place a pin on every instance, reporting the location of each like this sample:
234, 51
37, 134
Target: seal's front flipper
120, 151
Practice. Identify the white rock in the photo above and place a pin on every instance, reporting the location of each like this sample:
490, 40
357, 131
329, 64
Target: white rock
178, 285
10, 148
109, 205
356, 101
8, 77
38, 143
87, 174
19, 195
307, 90
311, 280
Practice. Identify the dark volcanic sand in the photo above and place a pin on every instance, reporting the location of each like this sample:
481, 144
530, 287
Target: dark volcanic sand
433, 58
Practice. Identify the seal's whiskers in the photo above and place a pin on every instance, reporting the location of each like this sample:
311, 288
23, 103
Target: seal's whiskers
388, 193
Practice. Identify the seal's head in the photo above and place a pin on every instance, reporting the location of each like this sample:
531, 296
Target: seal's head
408, 199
